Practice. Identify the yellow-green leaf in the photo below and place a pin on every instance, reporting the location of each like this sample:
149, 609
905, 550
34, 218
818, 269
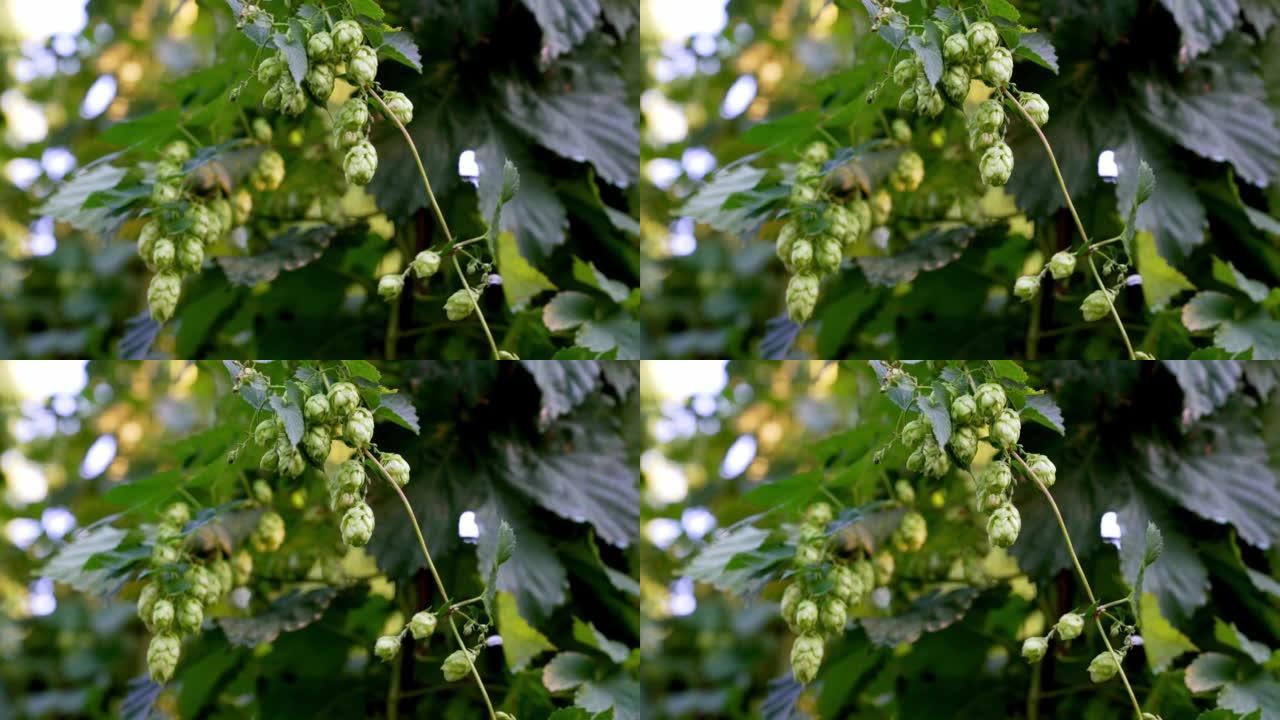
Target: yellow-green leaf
1162, 642
1160, 281
520, 641
521, 282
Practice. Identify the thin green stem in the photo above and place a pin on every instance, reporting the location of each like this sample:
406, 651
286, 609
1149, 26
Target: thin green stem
1062, 184
444, 594
435, 207
1084, 580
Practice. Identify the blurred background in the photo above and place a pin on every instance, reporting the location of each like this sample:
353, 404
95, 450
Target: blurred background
734, 451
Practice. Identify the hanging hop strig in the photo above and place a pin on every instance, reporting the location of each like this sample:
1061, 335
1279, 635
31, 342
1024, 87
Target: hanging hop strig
458, 664
357, 525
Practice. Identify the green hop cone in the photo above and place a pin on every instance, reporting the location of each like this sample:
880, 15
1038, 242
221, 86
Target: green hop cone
176, 514
241, 207
270, 169
316, 442
351, 476
802, 252
1027, 287
1097, 305
908, 102
808, 554
996, 165
1035, 106
177, 152
221, 570
1103, 667
817, 153
163, 294
363, 65
361, 163
936, 462
881, 206
901, 131
1070, 626
955, 83
912, 532
930, 104
164, 554
316, 408
269, 463
991, 400
390, 286
292, 98
835, 615
990, 116
269, 534
819, 514
806, 658
241, 567
357, 525
319, 82
883, 565
829, 251
983, 38
964, 410
270, 70
461, 304
262, 131
996, 477
147, 601
904, 73
425, 264
955, 49
400, 106
964, 443
387, 647
147, 239
909, 172
998, 69
806, 616
1034, 649
271, 98
292, 463
915, 432
1062, 265
904, 492
458, 665
347, 36
358, 430
204, 584
162, 657
865, 572
190, 615
847, 585
803, 193
354, 114
396, 467
791, 598
162, 615
1005, 429
1004, 525
189, 254
422, 624
1043, 469
343, 398
203, 223
861, 210
320, 47
802, 297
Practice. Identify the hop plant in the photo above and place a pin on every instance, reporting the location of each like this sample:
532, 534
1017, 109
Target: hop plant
806, 658
425, 264
846, 585
1097, 305
1042, 468
458, 664
316, 443
343, 399
1006, 429
1027, 287
912, 532
357, 525
904, 73
998, 68
997, 477
319, 82
320, 47
964, 443
387, 647
190, 615
396, 467
358, 430
390, 287
363, 65
269, 535
1034, 648
990, 116
351, 476
422, 625
461, 304
316, 408
163, 294
361, 163
955, 83
996, 165
1037, 109
1004, 525
802, 297
271, 69
964, 410
909, 172
1062, 265
268, 174
400, 106
1103, 667
162, 657
982, 38
884, 565
347, 36
1069, 626
162, 615
915, 432
835, 615
991, 400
